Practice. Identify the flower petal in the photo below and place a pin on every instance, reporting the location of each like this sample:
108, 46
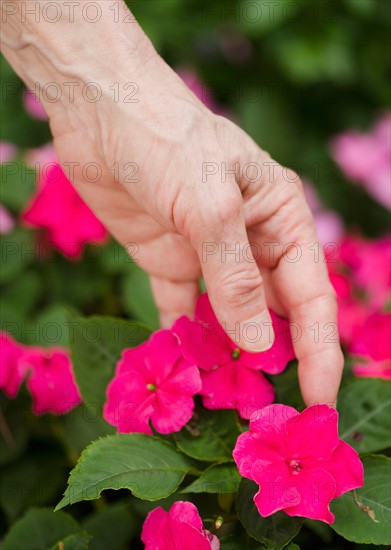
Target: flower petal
202, 345
313, 433
346, 468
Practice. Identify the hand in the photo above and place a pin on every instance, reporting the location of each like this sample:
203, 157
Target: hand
188, 187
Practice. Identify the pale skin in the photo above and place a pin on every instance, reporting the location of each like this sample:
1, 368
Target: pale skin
179, 204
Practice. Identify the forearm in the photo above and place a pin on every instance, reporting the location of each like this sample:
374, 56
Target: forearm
63, 43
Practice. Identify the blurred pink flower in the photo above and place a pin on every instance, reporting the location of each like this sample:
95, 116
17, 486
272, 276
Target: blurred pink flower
371, 344
11, 375
298, 461
179, 529
202, 91
152, 382
328, 224
50, 380
41, 158
366, 158
230, 375
370, 265
7, 152
58, 208
7, 222
33, 106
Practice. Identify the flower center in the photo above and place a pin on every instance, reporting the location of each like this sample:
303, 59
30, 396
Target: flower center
295, 467
236, 354
151, 387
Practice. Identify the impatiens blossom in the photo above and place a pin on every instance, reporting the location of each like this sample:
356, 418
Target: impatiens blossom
369, 262
366, 159
329, 225
371, 347
7, 222
50, 380
298, 461
179, 529
58, 208
152, 383
7, 152
231, 377
11, 375
33, 106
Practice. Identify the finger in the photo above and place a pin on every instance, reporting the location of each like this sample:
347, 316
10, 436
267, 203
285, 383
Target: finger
174, 299
301, 283
231, 275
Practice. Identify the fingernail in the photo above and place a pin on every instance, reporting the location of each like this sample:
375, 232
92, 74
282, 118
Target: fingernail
257, 334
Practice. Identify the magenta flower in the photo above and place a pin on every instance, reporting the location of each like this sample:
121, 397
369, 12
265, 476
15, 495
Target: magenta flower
365, 158
152, 383
298, 461
7, 222
50, 380
179, 529
372, 346
33, 106
58, 208
370, 265
231, 377
7, 152
11, 374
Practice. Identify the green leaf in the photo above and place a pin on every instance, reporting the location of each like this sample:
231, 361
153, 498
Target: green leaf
223, 478
14, 434
287, 387
137, 297
210, 437
40, 529
17, 252
36, 479
275, 531
18, 183
365, 412
96, 344
151, 468
78, 541
102, 524
80, 427
364, 515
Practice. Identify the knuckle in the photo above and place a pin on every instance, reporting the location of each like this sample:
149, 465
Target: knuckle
228, 210
240, 287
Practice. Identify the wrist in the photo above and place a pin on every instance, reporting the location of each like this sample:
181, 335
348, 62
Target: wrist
70, 56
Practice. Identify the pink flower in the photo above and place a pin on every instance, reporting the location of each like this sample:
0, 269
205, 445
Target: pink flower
11, 375
328, 224
7, 222
33, 106
366, 159
230, 375
7, 152
371, 343
370, 265
58, 208
50, 380
152, 382
201, 90
297, 460
179, 529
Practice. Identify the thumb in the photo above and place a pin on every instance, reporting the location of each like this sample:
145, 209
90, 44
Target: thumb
232, 278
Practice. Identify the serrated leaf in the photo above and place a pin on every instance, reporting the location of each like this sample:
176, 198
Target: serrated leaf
40, 529
96, 344
223, 478
148, 466
210, 437
275, 531
365, 414
364, 516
